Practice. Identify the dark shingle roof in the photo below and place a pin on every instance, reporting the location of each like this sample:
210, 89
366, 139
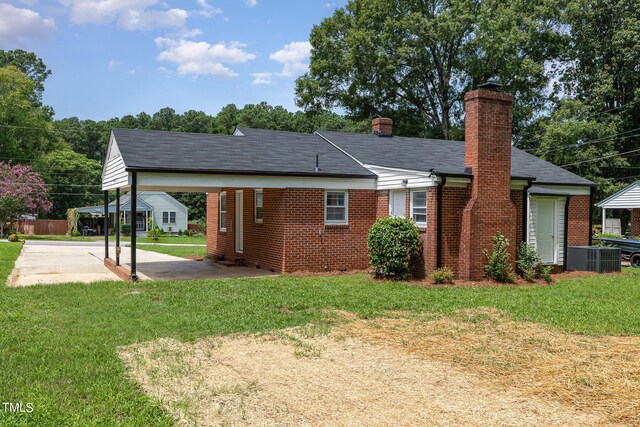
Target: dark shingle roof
445, 156
258, 152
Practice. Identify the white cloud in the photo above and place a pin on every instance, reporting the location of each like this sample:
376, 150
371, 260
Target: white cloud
201, 58
294, 57
207, 10
251, 3
17, 25
129, 14
150, 19
112, 64
261, 78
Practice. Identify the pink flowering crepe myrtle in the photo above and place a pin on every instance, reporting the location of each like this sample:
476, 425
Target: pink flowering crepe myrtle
22, 192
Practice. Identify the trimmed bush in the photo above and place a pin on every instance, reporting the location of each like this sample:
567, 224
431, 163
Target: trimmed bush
530, 265
125, 229
14, 237
442, 275
393, 244
155, 233
498, 267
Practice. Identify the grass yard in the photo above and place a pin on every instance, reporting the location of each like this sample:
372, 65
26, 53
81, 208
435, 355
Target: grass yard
59, 345
8, 254
179, 251
56, 237
174, 240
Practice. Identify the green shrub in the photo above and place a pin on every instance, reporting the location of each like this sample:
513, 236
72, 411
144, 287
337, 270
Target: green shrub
125, 229
14, 237
202, 224
155, 233
393, 244
180, 232
498, 267
442, 275
530, 265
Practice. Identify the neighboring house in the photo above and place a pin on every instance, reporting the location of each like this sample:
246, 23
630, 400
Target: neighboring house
292, 201
627, 198
163, 210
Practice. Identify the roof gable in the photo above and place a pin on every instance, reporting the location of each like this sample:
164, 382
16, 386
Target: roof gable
447, 157
628, 197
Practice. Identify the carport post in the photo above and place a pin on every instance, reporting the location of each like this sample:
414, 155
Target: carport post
604, 220
134, 218
106, 224
117, 226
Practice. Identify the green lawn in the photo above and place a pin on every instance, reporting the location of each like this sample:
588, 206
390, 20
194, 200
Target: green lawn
8, 254
179, 251
58, 343
57, 237
176, 240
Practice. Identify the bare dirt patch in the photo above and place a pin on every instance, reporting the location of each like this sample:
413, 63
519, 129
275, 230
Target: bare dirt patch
472, 368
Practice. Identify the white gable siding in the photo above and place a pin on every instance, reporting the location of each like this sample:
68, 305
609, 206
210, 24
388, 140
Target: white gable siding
560, 225
627, 200
389, 178
114, 174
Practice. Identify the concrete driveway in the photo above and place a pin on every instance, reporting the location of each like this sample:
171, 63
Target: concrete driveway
51, 262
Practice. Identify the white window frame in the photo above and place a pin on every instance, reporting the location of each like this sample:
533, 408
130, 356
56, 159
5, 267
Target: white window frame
175, 217
255, 205
220, 211
426, 207
346, 207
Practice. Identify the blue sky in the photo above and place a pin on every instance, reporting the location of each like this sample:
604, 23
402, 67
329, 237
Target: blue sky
110, 58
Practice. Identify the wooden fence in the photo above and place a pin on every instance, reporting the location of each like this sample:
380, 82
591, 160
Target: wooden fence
43, 226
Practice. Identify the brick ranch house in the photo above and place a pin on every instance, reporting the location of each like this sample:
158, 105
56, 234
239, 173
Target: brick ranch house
292, 201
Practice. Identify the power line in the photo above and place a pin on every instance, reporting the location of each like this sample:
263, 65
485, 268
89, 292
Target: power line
600, 158
54, 183
582, 144
612, 109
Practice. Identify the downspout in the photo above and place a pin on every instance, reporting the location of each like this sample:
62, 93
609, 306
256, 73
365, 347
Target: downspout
525, 210
443, 181
566, 233
591, 196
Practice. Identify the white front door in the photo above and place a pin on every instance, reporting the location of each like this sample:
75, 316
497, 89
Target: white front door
239, 227
398, 203
546, 231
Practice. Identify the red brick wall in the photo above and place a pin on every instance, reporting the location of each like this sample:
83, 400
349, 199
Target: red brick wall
263, 243
517, 198
312, 245
635, 222
382, 205
293, 236
454, 202
578, 232
488, 154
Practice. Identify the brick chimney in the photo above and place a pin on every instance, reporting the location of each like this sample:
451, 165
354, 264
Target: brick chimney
488, 117
382, 126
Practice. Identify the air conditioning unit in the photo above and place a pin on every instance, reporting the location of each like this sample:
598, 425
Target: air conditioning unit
594, 258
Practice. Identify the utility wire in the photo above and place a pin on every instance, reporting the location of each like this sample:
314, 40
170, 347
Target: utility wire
600, 158
582, 144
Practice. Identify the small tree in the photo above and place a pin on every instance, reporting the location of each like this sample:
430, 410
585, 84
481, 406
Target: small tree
393, 243
498, 267
72, 220
22, 192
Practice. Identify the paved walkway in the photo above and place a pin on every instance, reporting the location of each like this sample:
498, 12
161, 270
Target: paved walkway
50, 262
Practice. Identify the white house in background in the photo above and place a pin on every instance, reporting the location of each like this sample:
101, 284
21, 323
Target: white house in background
165, 212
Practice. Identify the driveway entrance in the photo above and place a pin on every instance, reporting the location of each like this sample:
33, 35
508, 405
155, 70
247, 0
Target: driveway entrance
52, 262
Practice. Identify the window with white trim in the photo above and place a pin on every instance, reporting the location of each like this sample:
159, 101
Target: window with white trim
223, 211
168, 217
419, 207
336, 207
258, 201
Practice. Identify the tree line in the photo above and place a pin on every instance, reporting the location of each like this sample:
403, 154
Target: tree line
571, 65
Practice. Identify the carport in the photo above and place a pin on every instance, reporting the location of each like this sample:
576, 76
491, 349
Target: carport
139, 160
627, 198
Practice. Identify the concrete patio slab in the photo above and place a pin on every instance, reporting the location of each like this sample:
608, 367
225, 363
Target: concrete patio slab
47, 262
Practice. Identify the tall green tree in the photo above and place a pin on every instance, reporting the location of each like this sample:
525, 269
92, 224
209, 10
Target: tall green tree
29, 64
72, 179
416, 58
25, 126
